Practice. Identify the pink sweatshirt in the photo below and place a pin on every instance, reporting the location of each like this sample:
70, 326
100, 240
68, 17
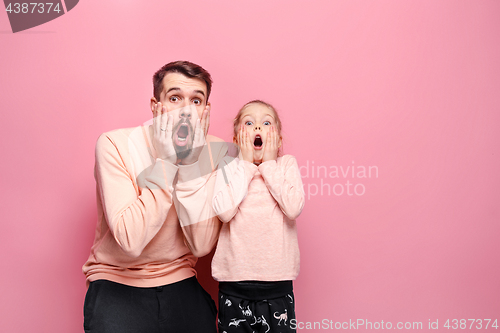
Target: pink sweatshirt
149, 231
259, 205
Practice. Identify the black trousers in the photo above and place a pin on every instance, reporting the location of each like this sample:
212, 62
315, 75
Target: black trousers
256, 307
179, 307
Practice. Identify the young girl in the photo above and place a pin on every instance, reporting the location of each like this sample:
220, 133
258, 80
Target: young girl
257, 196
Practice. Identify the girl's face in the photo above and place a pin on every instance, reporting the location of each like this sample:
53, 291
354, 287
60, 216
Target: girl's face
257, 119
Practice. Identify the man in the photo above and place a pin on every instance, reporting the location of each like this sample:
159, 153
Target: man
154, 193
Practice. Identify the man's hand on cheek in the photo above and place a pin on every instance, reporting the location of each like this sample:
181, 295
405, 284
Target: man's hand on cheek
199, 140
162, 134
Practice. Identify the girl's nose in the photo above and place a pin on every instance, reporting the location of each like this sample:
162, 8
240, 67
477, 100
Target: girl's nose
256, 128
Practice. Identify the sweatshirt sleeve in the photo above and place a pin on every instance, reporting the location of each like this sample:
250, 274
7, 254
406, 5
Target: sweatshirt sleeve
193, 199
285, 184
133, 219
231, 186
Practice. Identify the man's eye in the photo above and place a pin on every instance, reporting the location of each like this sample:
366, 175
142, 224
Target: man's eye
174, 99
196, 101
267, 123
249, 123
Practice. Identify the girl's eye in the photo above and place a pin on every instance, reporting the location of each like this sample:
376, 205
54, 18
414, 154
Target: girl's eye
267, 123
249, 123
174, 99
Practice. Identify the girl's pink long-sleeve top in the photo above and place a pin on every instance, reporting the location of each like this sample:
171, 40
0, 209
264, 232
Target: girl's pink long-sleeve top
258, 206
150, 229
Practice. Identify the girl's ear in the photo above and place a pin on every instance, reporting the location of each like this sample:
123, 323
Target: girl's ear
280, 144
235, 141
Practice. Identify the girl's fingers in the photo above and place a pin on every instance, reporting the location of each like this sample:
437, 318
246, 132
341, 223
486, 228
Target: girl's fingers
249, 144
239, 136
266, 143
271, 138
275, 139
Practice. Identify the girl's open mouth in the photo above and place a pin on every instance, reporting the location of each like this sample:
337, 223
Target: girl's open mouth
257, 142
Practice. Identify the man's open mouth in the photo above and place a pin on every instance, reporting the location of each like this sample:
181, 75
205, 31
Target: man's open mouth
257, 142
182, 135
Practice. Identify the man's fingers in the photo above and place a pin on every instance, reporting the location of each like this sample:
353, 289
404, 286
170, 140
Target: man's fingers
204, 115
207, 121
163, 122
197, 127
199, 138
170, 125
158, 117
154, 116
203, 120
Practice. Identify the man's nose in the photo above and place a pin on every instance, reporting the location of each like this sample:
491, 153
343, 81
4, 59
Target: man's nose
186, 113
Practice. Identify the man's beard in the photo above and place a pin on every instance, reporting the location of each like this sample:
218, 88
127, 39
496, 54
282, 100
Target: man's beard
183, 151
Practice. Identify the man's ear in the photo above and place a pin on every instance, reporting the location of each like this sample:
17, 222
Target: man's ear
153, 104
209, 107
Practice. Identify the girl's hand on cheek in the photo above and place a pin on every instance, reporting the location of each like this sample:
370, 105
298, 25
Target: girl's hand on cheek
246, 147
271, 146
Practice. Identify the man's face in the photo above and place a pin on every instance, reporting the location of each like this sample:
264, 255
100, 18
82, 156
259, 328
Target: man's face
185, 98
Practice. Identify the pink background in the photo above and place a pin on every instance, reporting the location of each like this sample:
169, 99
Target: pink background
411, 87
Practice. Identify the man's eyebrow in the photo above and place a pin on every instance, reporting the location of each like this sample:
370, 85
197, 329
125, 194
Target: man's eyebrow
179, 89
173, 88
200, 92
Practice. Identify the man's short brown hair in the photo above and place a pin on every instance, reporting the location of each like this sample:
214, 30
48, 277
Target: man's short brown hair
185, 68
